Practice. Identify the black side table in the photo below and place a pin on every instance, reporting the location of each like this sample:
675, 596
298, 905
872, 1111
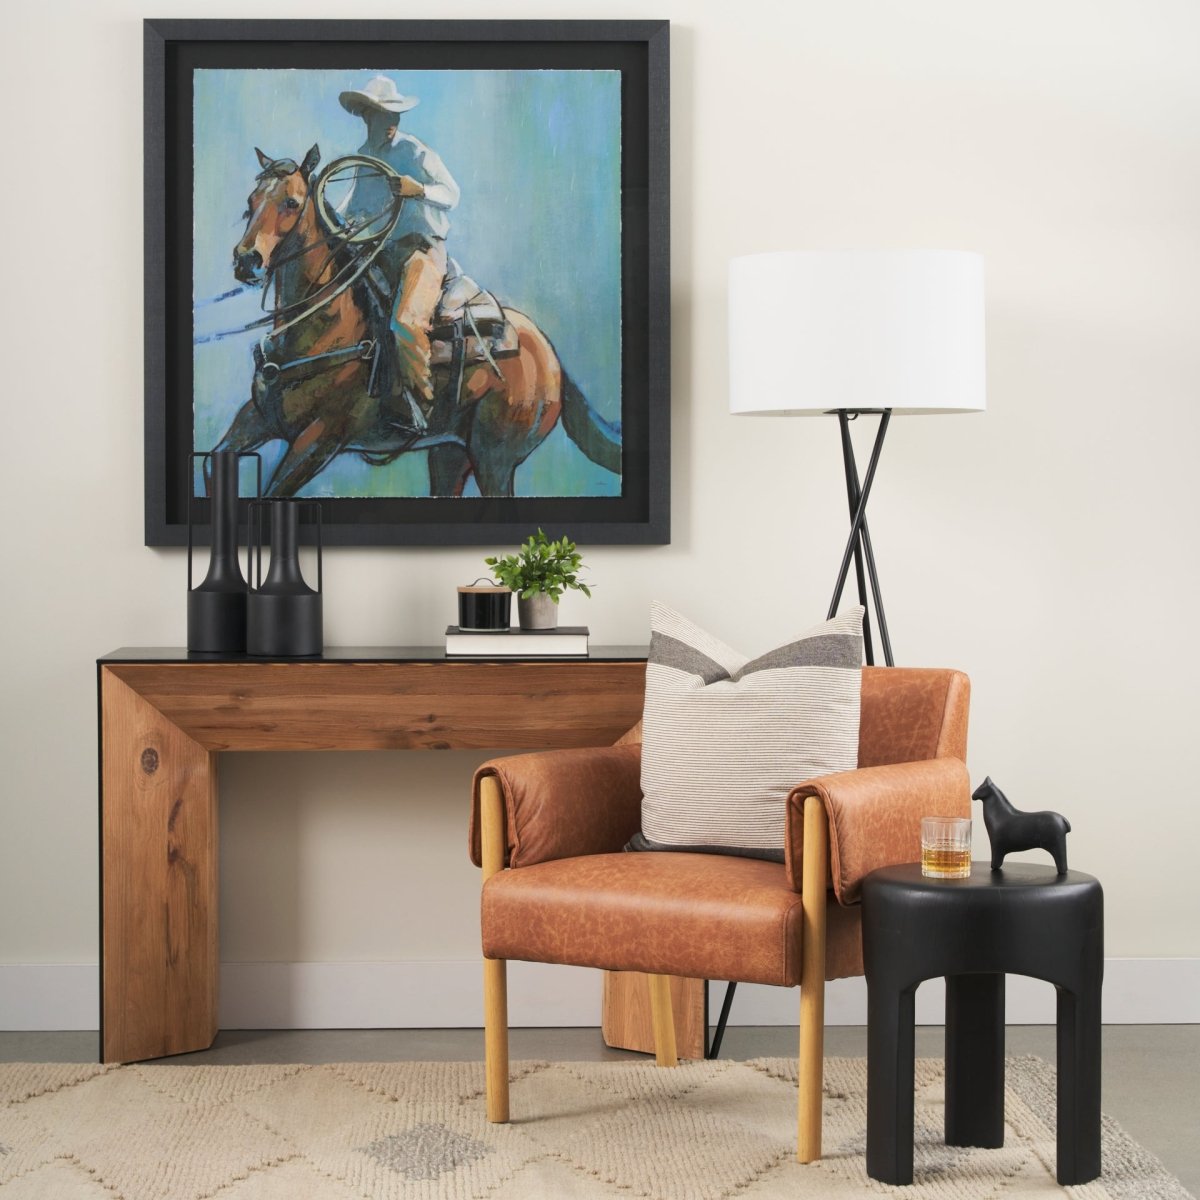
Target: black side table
1023, 920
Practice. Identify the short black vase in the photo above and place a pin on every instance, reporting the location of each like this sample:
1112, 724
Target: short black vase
283, 614
217, 606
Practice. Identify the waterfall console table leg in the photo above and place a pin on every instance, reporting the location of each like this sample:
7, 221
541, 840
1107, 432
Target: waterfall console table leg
158, 892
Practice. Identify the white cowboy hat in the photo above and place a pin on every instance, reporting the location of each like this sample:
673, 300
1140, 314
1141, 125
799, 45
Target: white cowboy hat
381, 95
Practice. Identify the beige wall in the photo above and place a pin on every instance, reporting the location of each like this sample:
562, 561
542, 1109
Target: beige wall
1048, 547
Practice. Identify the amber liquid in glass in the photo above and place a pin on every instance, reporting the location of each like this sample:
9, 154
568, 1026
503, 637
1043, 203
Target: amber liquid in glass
946, 862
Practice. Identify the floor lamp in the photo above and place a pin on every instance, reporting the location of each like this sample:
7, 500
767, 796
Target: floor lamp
853, 333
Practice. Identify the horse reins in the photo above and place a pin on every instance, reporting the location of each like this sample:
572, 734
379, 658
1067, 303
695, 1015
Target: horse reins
296, 312
363, 351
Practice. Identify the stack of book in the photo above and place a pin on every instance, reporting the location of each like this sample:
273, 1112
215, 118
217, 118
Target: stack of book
568, 641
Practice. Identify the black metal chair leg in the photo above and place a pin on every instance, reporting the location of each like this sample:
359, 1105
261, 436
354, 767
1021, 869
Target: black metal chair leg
975, 1060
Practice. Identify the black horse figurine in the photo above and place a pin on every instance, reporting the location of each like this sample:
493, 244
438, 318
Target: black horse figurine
1010, 830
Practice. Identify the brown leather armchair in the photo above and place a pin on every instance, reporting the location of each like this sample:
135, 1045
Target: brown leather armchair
559, 821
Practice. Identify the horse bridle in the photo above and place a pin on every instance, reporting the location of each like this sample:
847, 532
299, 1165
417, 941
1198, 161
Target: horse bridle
302, 309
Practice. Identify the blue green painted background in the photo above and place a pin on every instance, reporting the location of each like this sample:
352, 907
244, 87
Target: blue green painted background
537, 155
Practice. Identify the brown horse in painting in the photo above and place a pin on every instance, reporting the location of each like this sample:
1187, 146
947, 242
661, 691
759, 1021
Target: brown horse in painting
312, 386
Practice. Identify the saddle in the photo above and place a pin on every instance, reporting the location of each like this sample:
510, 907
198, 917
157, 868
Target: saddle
469, 326
468, 313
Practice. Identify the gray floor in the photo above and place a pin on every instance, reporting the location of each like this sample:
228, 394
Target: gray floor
1151, 1072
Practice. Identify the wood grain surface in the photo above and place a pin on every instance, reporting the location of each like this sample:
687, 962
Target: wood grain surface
627, 1020
393, 706
159, 883
161, 724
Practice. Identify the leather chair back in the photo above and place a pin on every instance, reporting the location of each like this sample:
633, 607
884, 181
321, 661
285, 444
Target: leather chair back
910, 714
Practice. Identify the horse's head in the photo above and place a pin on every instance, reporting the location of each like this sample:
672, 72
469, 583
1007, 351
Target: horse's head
278, 205
986, 791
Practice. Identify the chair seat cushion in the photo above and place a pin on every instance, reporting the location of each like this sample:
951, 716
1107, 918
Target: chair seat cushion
699, 915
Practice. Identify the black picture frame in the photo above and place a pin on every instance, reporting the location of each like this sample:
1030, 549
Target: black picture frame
640, 49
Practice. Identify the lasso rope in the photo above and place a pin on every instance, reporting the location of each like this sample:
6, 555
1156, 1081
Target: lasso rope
344, 235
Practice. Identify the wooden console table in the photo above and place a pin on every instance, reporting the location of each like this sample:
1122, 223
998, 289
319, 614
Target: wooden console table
165, 714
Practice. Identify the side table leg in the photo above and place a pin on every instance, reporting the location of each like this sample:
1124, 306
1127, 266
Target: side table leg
1078, 1085
890, 1019
975, 1060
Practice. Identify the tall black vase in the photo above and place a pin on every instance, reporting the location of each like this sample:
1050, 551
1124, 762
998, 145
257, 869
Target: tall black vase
217, 606
283, 614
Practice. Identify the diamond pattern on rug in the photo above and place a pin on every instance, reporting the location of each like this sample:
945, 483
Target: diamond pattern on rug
110, 1114
552, 1179
418, 1131
397, 1081
631, 1080
688, 1156
425, 1151
968, 1172
21, 1081
292, 1180
213, 1085
750, 1099
27, 1144
57, 1180
644, 1141
335, 1115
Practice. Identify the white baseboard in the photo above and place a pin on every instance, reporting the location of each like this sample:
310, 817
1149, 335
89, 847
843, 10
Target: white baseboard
400, 995
49, 996
446, 995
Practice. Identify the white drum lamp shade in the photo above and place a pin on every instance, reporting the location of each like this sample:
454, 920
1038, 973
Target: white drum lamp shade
817, 331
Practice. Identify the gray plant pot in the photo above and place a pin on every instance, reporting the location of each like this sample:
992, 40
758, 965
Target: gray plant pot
538, 612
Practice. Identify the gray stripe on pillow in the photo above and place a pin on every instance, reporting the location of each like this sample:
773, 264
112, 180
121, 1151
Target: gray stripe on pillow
670, 652
640, 841
839, 650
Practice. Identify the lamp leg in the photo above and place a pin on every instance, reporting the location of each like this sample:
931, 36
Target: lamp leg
714, 1050
869, 550
859, 530
851, 470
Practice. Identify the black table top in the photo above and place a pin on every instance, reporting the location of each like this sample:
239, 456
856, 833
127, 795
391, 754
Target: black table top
370, 654
1015, 875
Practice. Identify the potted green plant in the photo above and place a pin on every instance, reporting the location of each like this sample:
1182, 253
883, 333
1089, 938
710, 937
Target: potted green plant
539, 573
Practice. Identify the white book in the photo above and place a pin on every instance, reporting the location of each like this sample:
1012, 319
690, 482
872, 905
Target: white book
568, 640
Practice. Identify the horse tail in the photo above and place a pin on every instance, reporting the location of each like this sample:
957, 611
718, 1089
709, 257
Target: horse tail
599, 440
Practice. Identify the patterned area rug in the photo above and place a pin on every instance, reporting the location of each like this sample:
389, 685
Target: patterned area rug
580, 1131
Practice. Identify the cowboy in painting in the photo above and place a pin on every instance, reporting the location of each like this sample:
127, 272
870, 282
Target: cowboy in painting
414, 259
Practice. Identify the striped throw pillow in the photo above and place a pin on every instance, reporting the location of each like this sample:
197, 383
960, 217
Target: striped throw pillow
724, 739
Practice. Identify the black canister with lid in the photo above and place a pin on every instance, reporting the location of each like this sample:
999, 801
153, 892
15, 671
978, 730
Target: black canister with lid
484, 607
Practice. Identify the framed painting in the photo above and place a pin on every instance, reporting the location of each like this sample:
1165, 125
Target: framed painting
421, 268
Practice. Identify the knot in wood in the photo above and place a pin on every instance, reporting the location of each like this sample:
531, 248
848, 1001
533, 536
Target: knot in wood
149, 760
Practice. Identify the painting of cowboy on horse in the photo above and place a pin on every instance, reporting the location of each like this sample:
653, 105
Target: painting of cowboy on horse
354, 352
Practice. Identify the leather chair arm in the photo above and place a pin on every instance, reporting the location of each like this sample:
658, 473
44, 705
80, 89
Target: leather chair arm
875, 817
564, 803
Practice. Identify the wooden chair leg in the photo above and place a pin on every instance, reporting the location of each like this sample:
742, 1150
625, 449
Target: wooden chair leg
812, 979
495, 970
495, 1037
663, 1021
